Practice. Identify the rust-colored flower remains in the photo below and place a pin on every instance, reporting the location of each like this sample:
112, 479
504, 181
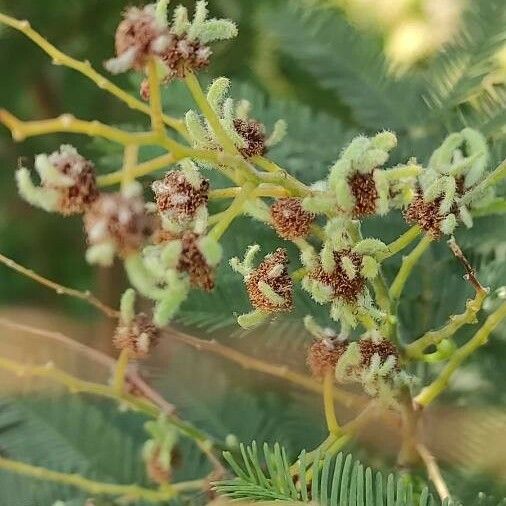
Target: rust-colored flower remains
139, 336
289, 218
269, 285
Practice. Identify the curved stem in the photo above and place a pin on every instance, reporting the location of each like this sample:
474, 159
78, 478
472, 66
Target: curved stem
408, 263
118, 382
401, 242
429, 393
60, 289
328, 403
129, 492
85, 68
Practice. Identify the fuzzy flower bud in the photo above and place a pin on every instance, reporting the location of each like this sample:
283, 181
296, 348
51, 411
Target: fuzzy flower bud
323, 355
289, 218
181, 198
68, 182
116, 223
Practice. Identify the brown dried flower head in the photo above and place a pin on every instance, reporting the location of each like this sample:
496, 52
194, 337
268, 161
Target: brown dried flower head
179, 198
378, 346
193, 262
183, 56
425, 214
156, 470
365, 193
253, 133
339, 281
270, 286
323, 355
138, 336
118, 219
289, 218
138, 36
80, 189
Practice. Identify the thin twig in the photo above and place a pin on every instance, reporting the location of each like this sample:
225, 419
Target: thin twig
470, 274
60, 289
433, 471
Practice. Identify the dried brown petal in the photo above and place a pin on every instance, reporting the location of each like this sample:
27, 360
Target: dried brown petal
278, 279
289, 218
253, 133
156, 470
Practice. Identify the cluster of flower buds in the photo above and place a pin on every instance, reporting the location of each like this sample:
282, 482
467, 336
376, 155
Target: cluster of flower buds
446, 187
117, 223
158, 452
67, 182
135, 331
339, 273
357, 185
181, 199
165, 272
290, 220
179, 47
372, 361
269, 285
247, 134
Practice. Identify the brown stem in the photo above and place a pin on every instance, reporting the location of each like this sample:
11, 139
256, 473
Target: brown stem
433, 471
470, 274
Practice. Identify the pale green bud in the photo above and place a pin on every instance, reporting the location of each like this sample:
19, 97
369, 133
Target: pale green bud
370, 267
161, 12
442, 157
127, 305
319, 203
356, 148
198, 19
370, 159
348, 361
278, 133
448, 224
180, 22
348, 267
242, 109
383, 189
217, 93
211, 250
217, 29
252, 319
385, 141
327, 258
465, 216
49, 174
319, 292
370, 246
343, 313
45, 198
268, 292
101, 254
196, 130
141, 279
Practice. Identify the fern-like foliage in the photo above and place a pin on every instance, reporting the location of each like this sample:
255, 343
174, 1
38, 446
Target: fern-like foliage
338, 480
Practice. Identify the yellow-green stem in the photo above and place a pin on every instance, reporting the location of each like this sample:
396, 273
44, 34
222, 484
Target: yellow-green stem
85, 68
429, 393
416, 349
408, 263
232, 212
129, 492
401, 242
206, 109
328, 403
155, 99
120, 371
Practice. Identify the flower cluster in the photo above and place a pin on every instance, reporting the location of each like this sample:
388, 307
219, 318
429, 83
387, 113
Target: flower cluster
178, 47
159, 451
373, 361
247, 134
357, 186
68, 183
181, 198
446, 188
135, 332
338, 274
269, 285
117, 223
